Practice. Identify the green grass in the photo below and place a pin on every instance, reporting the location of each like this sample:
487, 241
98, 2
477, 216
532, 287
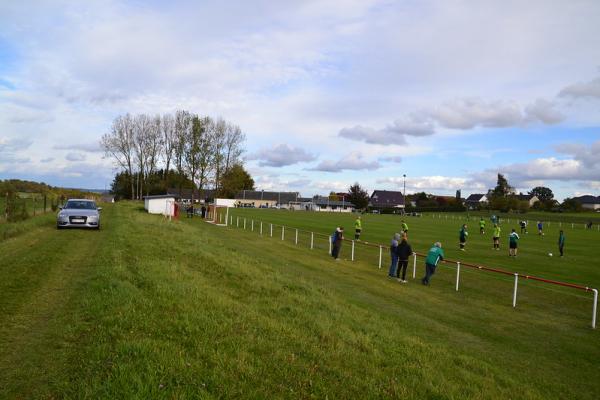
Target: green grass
147, 308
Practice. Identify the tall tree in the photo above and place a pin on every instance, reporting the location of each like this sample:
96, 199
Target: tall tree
169, 141
182, 128
358, 196
142, 127
544, 194
205, 152
119, 144
192, 149
236, 179
502, 188
216, 133
234, 138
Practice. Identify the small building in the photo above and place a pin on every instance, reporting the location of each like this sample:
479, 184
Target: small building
160, 204
589, 202
185, 196
474, 201
530, 198
263, 199
381, 199
318, 203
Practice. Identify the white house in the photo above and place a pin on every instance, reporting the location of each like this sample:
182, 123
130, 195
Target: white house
160, 204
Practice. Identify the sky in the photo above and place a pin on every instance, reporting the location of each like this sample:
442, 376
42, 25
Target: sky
328, 93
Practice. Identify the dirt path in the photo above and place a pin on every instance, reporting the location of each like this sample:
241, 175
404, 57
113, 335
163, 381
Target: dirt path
40, 272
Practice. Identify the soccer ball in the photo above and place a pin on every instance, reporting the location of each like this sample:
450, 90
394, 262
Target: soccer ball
550, 254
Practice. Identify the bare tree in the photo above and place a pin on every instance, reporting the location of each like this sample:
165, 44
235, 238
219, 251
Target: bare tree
192, 149
153, 143
142, 127
118, 144
181, 132
233, 145
169, 142
216, 133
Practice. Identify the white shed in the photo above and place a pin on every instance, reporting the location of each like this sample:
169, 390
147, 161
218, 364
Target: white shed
160, 204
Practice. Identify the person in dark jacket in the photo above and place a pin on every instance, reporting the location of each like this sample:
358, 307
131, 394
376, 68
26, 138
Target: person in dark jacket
337, 239
403, 251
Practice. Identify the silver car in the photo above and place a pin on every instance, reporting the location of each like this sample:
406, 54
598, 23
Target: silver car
79, 213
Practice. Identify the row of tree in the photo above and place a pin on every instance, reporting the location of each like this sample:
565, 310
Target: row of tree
200, 150
504, 197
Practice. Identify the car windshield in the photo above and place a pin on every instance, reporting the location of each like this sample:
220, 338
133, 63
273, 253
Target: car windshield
81, 205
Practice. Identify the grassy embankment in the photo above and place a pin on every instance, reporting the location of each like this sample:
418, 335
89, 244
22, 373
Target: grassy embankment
145, 308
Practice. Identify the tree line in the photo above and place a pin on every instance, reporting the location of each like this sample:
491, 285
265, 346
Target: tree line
180, 148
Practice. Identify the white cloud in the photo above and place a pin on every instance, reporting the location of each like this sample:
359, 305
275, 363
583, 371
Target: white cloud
75, 157
281, 155
351, 162
590, 89
87, 147
433, 183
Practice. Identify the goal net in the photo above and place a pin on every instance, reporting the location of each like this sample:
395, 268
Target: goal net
217, 214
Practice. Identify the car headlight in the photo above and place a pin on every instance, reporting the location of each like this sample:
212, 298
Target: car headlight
62, 216
93, 218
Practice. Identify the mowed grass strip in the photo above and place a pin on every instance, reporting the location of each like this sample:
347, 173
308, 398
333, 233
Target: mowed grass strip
190, 310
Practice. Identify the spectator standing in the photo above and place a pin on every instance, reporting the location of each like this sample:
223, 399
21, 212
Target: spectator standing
394, 255
404, 251
337, 239
434, 255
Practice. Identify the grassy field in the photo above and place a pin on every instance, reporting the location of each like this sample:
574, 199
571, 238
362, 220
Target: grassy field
147, 308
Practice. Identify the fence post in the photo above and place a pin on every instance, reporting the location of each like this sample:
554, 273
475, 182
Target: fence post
296, 235
380, 255
244, 223
237, 222
414, 265
282, 232
329, 240
594, 308
220, 218
252, 225
271, 230
312, 240
571, 225
231, 220
352, 254
261, 228
515, 290
457, 274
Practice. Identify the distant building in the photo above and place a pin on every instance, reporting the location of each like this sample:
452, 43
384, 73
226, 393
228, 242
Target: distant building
589, 202
475, 201
319, 203
386, 199
262, 199
185, 195
530, 198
